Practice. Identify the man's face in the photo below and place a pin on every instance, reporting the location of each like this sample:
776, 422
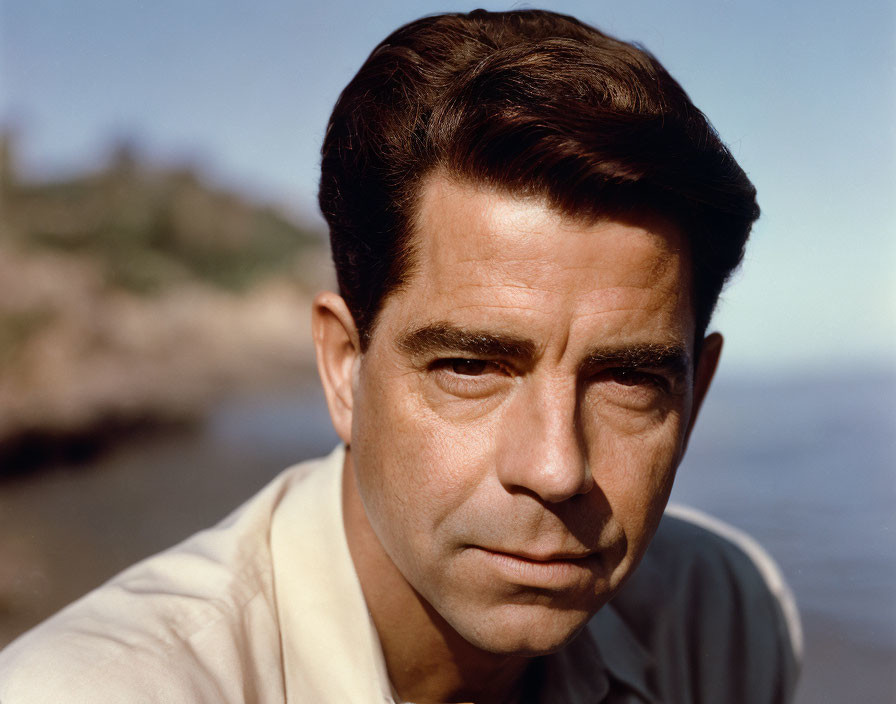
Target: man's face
520, 412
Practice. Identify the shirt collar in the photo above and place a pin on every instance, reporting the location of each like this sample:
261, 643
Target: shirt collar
625, 658
604, 663
331, 652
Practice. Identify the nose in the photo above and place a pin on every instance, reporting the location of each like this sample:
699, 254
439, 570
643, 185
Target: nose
541, 449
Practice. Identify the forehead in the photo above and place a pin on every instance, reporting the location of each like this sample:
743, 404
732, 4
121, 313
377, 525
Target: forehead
485, 256
487, 261
459, 225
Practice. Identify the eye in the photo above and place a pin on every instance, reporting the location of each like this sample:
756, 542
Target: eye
469, 367
470, 378
631, 387
632, 377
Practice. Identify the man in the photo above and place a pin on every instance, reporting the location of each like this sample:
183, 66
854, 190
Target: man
531, 224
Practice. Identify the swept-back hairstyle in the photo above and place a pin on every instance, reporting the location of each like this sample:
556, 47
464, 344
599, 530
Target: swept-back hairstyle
535, 104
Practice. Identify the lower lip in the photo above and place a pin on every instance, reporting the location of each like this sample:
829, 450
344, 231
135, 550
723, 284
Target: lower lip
548, 573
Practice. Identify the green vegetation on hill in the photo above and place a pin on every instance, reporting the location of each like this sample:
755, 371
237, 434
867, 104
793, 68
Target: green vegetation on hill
149, 228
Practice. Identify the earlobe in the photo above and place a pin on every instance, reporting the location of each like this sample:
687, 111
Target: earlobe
338, 350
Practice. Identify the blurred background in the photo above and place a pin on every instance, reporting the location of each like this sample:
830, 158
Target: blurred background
159, 245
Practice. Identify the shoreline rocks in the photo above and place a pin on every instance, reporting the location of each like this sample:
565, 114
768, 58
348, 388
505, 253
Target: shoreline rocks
82, 360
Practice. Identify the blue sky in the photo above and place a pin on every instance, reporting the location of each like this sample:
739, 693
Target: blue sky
803, 92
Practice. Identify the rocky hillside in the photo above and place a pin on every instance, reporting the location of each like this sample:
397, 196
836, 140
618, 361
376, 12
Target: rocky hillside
137, 295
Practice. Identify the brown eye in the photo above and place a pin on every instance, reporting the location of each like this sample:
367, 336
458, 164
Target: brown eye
630, 377
468, 367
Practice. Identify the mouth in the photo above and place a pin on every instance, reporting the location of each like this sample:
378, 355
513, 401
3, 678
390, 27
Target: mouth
549, 570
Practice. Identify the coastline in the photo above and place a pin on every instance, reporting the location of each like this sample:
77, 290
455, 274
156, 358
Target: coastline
95, 363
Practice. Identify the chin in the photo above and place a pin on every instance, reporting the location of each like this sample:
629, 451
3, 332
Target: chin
525, 630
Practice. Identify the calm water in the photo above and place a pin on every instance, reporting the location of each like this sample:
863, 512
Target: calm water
807, 466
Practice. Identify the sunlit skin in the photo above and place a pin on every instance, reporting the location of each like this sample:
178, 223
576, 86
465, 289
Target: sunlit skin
513, 429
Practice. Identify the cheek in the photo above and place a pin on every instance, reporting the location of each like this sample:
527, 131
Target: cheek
635, 471
415, 468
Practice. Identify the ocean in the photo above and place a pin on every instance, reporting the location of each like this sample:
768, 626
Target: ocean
809, 468
807, 465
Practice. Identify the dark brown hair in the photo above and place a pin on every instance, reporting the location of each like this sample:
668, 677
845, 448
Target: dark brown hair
533, 103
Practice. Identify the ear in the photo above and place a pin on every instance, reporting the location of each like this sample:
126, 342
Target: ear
705, 369
336, 342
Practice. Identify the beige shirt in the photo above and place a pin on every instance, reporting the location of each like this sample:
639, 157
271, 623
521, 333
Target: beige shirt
266, 607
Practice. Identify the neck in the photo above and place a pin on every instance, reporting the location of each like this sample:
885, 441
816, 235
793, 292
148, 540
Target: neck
426, 659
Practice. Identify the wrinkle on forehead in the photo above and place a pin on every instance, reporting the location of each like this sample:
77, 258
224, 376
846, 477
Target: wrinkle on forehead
484, 254
526, 237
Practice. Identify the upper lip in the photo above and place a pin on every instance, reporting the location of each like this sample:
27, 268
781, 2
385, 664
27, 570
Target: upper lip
543, 556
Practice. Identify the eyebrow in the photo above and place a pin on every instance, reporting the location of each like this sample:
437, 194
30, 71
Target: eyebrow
446, 337
672, 357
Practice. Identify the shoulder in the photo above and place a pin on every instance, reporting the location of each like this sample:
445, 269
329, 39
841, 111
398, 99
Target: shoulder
695, 551
188, 624
714, 611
